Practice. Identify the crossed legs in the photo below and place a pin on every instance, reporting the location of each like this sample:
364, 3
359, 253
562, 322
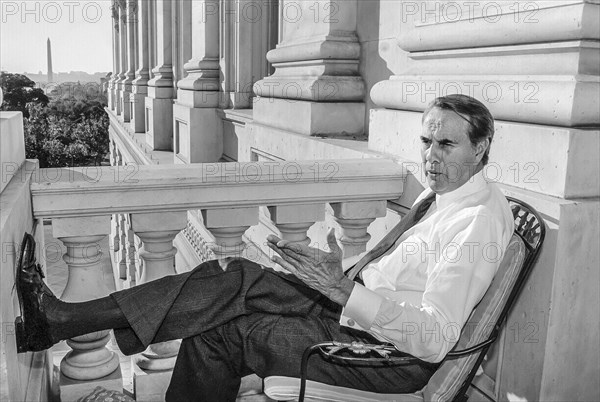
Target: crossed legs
241, 321
246, 319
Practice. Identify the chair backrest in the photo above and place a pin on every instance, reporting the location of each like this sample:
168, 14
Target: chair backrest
453, 377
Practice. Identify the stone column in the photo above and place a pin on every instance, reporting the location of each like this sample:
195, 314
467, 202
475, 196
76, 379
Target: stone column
354, 219
152, 368
123, 55
196, 126
159, 102
90, 363
245, 27
316, 72
131, 23
139, 88
227, 227
112, 86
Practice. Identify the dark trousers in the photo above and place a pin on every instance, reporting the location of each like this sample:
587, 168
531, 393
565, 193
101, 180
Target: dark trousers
241, 321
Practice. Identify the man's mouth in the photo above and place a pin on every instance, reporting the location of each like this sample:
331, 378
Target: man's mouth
433, 173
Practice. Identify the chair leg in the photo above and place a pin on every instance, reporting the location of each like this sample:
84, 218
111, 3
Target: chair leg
304, 369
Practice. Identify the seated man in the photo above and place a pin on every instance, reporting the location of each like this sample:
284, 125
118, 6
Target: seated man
250, 319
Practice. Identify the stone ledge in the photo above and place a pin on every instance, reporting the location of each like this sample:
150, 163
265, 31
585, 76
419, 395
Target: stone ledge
550, 58
344, 119
552, 21
560, 100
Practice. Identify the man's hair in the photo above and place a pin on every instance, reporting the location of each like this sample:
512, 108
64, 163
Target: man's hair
481, 122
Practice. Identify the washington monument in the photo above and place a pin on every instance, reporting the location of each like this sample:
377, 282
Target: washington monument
50, 73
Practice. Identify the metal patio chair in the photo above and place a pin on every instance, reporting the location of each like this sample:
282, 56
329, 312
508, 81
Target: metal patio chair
452, 379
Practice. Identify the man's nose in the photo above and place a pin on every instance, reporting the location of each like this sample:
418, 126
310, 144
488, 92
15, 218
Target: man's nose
432, 154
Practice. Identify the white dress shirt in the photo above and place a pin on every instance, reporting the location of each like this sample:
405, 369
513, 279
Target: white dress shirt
419, 295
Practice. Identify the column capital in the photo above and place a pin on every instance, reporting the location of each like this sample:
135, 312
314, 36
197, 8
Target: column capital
157, 231
354, 219
282, 214
227, 226
293, 221
81, 226
152, 221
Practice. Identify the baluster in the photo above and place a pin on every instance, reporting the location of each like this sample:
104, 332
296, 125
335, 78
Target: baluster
140, 265
293, 221
115, 233
156, 231
90, 361
227, 227
354, 219
123, 246
132, 258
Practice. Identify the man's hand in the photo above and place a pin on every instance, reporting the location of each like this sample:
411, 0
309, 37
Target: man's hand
318, 269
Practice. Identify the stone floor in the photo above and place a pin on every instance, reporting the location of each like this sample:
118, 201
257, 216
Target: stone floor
57, 280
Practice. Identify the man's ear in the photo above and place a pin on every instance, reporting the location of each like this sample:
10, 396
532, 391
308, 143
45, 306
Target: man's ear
481, 147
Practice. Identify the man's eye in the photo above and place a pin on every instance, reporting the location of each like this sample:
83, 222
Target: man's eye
425, 141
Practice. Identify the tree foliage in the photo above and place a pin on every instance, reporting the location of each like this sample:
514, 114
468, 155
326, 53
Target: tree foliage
19, 91
77, 102
69, 129
58, 141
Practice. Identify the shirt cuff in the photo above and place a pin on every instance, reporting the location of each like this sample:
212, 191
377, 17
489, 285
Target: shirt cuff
361, 308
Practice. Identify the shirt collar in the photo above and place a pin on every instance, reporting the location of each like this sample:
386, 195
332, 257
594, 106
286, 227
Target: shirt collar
474, 185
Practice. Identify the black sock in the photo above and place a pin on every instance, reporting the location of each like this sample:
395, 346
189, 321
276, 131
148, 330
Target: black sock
68, 320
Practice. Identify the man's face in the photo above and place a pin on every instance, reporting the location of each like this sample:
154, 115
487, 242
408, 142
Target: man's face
449, 158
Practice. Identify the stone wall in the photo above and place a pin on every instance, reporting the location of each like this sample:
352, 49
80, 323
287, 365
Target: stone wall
27, 375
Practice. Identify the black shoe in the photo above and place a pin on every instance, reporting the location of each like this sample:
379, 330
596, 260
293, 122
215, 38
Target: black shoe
32, 328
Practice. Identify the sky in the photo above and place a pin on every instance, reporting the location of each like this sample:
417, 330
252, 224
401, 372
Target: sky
80, 32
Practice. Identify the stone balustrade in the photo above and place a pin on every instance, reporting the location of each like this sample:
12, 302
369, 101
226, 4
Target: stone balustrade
150, 205
92, 191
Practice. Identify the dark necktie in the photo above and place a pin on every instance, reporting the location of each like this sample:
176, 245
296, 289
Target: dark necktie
410, 219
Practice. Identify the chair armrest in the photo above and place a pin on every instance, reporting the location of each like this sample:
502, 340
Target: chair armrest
362, 352
473, 349
385, 353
